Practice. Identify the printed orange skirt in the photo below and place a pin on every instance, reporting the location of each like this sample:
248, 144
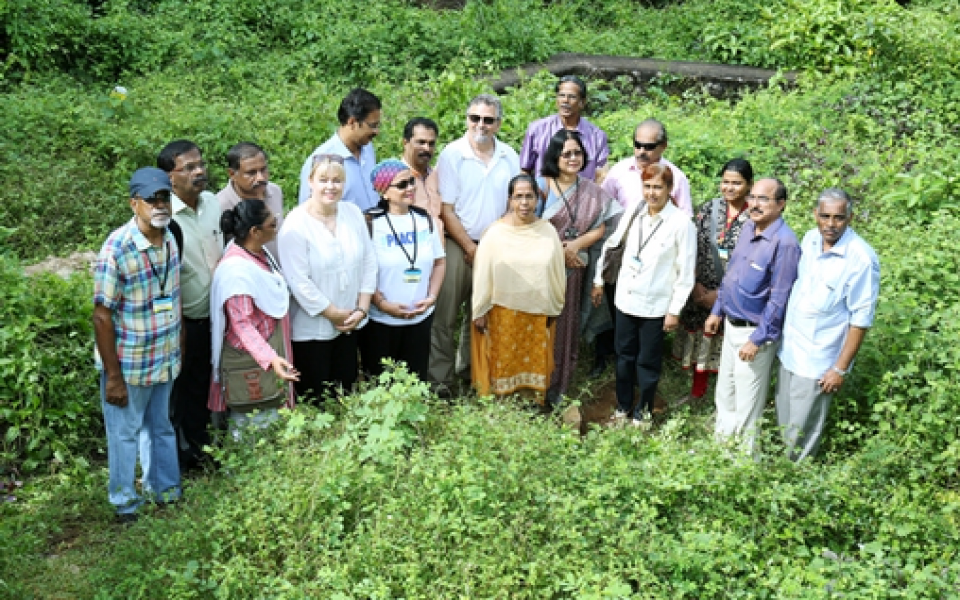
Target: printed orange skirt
515, 353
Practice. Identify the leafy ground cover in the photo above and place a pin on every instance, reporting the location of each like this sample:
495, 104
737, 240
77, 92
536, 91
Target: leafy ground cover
418, 499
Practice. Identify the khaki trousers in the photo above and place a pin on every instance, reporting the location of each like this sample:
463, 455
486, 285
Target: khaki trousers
742, 388
456, 290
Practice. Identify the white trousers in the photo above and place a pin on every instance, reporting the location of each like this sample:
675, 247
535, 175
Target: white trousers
742, 388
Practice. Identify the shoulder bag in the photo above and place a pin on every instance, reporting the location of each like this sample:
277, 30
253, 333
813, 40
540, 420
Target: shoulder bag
613, 257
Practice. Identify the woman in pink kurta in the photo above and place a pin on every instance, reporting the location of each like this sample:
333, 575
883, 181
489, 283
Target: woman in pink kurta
248, 301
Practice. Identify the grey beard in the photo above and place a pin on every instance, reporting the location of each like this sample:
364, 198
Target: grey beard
160, 221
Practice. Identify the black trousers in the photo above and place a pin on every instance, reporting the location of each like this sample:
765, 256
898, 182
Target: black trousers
188, 400
639, 345
326, 366
406, 343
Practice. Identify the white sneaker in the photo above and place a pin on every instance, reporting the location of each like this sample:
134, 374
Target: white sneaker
618, 419
641, 424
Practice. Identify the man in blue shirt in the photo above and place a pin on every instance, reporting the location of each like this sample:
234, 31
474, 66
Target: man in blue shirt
831, 307
359, 117
753, 300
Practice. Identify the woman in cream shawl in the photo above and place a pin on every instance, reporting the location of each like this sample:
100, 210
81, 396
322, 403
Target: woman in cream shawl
518, 290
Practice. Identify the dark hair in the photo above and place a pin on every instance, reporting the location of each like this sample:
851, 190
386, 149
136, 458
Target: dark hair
780, 194
575, 80
551, 158
239, 220
167, 159
358, 103
419, 122
741, 166
523, 177
533, 183
243, 151
663, 130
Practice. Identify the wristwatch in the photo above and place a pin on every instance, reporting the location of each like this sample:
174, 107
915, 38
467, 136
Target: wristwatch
840, 371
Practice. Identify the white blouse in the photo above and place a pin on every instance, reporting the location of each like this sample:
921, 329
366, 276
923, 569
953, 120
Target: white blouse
323, 269
658, 281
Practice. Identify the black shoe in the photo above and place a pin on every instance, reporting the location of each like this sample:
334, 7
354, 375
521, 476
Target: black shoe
553, 398
599, 366
127, 518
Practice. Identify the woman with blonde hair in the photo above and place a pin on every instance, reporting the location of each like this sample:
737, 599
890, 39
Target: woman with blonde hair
331, 269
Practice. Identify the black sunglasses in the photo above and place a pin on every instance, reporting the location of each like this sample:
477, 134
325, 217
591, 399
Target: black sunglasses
151, 200
478, 118
648, 146
404, 183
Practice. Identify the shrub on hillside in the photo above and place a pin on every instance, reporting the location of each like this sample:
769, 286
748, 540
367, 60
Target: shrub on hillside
49, 400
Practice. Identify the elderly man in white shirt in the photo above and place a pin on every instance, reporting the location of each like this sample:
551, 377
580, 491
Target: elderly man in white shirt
473, 174
657, 275
830, 310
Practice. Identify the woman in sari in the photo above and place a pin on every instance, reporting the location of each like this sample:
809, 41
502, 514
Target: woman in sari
250, 325
518, 291
718, 226
577, 209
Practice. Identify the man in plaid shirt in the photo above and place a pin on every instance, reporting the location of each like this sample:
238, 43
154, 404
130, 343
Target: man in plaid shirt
136, 320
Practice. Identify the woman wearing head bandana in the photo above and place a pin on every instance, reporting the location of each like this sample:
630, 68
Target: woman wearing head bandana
411, 264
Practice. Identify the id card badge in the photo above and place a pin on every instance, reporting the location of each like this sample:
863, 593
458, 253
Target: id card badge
412, 276
724, 257
163, 304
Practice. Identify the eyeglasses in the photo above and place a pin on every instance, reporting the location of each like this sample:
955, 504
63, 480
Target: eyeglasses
759, 199
571, 154
646, 146
152, 200
333, 158
373, 126
405, 183
478, 118
190, 168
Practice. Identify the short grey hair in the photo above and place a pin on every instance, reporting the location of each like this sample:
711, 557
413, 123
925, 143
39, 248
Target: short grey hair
836, 194
489, 100
661, 137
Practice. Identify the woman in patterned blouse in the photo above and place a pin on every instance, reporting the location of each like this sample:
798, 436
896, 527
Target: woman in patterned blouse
718, 225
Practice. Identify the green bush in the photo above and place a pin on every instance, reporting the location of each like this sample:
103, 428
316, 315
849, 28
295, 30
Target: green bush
49, 400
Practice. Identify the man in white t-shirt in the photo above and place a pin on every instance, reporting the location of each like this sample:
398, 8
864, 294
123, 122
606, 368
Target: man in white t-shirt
473, 174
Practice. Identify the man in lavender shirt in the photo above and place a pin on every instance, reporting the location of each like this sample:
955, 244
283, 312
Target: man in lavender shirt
623, 181
571, 101
753, 301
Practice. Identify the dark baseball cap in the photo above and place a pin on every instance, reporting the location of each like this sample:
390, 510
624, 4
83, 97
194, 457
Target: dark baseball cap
147, 181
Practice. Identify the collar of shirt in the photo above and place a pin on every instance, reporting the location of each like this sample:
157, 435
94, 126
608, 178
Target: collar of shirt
665, 212
139, 240
179, 205
768, 234
230, 193
336, 146
467, 151
417, 173
840, 248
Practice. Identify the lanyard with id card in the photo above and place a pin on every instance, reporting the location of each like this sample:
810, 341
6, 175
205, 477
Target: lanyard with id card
162, 303
413, 274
